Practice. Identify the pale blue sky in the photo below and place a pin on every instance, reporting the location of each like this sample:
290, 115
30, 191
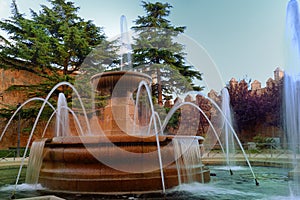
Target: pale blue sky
244, 38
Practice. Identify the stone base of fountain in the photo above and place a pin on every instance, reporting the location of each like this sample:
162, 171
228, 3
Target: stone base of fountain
71, 165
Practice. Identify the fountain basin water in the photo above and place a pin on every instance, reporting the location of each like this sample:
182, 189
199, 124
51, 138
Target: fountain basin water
71, 165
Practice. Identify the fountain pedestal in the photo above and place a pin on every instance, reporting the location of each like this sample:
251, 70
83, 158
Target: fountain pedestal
119, 114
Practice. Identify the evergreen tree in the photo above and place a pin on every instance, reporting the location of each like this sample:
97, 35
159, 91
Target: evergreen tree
53, 38
52, 43
155, 49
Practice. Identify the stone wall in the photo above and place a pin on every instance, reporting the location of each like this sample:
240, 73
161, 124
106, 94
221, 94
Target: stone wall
11, 98
259, 107
9, 78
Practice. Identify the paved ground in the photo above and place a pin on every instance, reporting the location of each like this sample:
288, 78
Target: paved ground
275, 159
12, 162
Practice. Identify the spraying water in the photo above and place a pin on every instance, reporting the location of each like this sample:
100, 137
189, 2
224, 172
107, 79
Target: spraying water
38, 117
228, 135
292, 89
62, 117
80, 131
19, 108
125, 43
156, 130
215, 132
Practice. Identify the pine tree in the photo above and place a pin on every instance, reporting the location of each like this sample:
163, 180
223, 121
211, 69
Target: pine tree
155, 49
53, 38
52, 43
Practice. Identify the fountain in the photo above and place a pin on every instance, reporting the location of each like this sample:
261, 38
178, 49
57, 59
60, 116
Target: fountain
118, 151
114, 159
125, 154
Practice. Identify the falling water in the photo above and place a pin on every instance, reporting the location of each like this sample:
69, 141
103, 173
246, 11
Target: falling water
188, 155
211, 126
228, 135
35, 161
62, 116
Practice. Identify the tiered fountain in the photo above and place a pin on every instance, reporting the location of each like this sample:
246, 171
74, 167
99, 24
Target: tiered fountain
124, 153
119, 158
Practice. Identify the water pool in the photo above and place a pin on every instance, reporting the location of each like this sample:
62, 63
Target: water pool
274, 184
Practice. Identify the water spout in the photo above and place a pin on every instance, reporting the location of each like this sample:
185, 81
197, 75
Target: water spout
125, 43
73, 114
228, 137
62, 117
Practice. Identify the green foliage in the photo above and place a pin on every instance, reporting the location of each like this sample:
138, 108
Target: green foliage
263, 142
54, 38
53, 43
5, 113
174, 120
12, 152
27, 112
156, 51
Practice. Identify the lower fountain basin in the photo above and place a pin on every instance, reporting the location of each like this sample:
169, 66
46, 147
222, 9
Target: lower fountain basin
75, 164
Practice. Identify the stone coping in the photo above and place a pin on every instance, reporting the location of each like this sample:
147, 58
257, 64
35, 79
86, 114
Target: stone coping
126, 79
51, 197
261, 162
118, 138
120, 73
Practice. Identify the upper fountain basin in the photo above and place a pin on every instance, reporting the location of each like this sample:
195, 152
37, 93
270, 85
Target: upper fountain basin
118, 81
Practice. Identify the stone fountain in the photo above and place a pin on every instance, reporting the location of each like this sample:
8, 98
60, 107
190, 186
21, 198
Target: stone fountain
118, 158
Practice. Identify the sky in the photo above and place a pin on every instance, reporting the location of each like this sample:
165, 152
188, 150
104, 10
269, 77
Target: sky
243, 39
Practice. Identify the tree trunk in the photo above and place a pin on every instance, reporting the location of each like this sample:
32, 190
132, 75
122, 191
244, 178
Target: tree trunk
159, 88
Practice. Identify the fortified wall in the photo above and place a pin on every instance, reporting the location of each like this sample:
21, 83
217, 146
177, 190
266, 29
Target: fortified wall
261, 106
256, 110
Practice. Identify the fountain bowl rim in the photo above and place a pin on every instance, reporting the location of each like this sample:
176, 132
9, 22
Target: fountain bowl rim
110, 73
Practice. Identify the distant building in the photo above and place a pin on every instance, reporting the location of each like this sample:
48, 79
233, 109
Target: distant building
256, 85
278, 74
